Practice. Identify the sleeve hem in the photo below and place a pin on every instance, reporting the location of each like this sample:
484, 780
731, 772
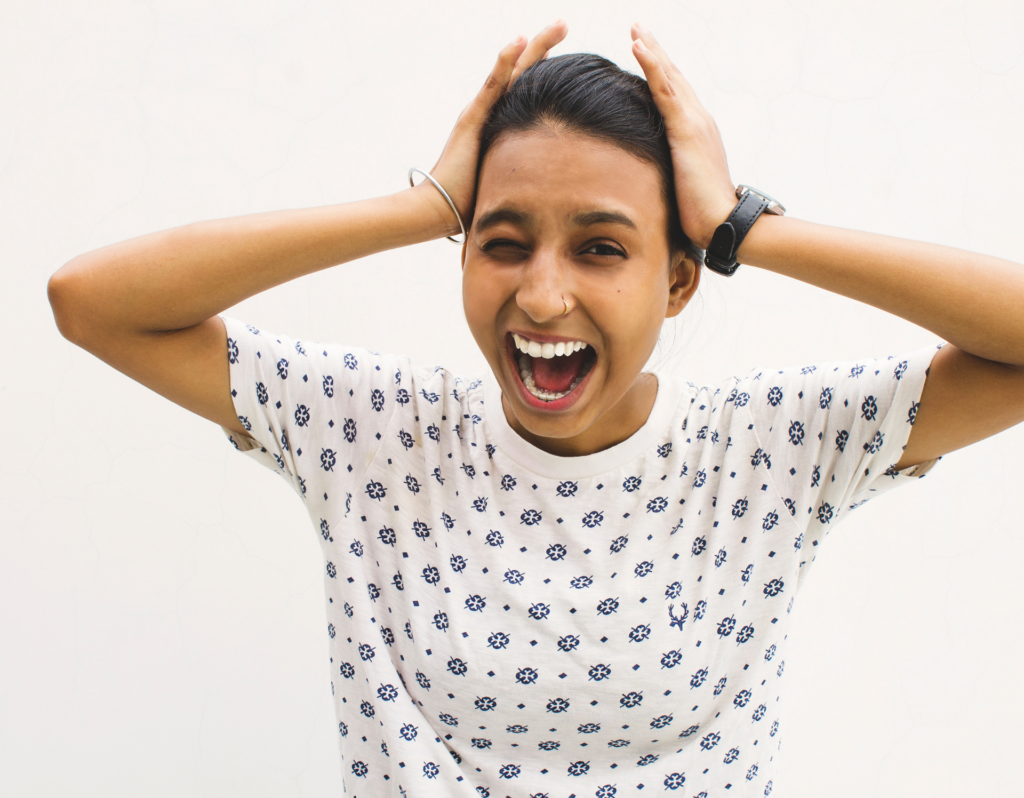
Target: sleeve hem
243, 443
894, 424
920, 469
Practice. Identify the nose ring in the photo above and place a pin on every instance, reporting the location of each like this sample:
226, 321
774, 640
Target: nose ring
566, 306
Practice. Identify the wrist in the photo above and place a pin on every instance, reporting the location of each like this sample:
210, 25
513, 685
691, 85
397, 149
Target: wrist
438, 215
725, 250
751, 249
712, 221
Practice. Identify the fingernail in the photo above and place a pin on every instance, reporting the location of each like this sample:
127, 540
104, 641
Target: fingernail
639, 44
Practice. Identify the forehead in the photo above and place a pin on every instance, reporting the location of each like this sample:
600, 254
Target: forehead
553, 174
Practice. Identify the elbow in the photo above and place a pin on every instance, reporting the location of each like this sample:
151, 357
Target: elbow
60, 293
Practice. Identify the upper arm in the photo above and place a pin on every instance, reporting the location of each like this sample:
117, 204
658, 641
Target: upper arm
965, 399
189, 366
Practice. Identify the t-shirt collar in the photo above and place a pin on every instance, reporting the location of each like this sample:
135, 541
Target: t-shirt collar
654, 432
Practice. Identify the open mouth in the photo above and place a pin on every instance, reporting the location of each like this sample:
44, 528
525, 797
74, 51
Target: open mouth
550, 372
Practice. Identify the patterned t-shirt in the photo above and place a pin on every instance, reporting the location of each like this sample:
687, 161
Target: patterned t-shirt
505, 622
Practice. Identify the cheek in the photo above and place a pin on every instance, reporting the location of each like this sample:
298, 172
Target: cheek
634, 314
481, 301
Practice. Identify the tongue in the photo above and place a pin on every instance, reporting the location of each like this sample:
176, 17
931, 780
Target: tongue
555, 374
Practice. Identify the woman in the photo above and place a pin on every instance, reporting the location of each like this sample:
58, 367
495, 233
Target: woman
575, 577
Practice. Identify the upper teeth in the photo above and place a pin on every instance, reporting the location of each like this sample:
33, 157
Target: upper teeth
549, 350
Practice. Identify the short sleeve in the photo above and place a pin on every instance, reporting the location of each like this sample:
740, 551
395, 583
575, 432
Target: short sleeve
314, 413
832, 433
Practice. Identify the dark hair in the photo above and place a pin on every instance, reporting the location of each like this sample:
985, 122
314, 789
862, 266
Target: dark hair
587, 94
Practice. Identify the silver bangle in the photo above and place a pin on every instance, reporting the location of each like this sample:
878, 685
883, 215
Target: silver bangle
445, 195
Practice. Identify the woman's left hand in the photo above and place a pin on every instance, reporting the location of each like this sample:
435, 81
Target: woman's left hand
704, 191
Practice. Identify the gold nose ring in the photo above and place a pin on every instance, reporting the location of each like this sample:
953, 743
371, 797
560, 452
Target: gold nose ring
566, 306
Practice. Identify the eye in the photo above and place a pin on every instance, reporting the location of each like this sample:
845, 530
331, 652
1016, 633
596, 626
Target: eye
500, 243
604, 250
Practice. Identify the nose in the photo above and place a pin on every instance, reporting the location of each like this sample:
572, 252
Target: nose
544, 281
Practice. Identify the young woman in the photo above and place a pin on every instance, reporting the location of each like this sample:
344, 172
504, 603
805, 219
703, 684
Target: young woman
574, 577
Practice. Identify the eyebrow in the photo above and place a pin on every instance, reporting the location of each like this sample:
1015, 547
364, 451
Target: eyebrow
500, 215
590, 218
582, 219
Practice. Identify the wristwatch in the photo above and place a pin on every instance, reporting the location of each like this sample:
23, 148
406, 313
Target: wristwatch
721, 252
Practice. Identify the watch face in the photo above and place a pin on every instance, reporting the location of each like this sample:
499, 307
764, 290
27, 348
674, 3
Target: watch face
774, 206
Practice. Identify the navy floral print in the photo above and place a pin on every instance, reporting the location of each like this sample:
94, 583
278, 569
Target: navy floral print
503, 622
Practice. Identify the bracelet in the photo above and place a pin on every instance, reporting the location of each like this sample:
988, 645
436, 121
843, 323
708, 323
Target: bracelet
445, 195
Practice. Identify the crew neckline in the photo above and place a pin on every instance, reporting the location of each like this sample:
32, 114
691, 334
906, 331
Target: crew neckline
654, 431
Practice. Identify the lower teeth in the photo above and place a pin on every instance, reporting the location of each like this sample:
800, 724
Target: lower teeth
526, 373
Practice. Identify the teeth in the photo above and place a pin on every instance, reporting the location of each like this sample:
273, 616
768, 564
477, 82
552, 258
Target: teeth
548, 350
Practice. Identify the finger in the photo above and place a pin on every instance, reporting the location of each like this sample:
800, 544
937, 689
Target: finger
661, 83
499, 78
638, 31
540, 46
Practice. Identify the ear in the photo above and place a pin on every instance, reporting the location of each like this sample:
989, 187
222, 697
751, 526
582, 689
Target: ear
684, 277
465, 243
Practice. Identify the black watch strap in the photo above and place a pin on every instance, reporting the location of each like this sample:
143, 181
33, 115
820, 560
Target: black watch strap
721, 252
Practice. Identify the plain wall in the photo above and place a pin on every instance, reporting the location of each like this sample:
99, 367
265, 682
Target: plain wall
161, 604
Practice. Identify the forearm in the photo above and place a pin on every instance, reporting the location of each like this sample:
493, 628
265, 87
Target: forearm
178, 278
975, 302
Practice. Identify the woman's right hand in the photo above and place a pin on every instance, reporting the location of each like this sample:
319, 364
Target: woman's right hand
148, 306
456, 168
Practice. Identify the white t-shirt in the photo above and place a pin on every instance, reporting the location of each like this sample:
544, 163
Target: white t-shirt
505, 622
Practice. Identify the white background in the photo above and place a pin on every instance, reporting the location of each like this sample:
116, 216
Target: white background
162, 626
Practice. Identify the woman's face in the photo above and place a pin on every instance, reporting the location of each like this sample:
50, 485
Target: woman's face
566, 216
